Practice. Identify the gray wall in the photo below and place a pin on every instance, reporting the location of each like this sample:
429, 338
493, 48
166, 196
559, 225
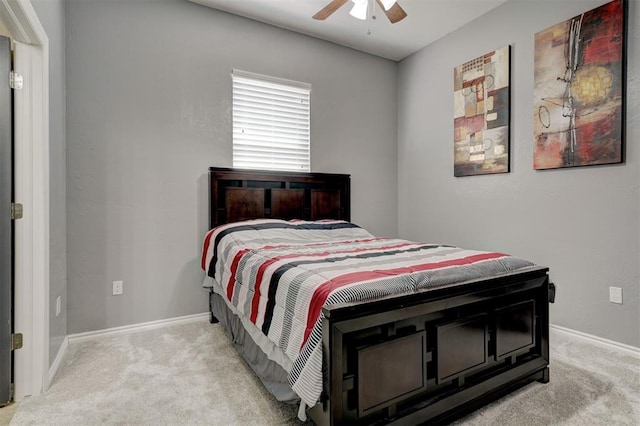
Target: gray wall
149, 110
583, 223
51, 15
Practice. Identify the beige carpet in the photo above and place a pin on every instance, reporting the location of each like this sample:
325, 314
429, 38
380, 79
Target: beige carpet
590, 385
190, 374
6, 414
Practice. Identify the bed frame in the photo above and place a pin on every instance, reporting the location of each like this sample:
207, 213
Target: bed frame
433, 355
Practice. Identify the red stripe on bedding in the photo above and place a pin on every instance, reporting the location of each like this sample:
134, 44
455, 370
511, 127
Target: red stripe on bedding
323, 291
255, 303
234, 269
205, 250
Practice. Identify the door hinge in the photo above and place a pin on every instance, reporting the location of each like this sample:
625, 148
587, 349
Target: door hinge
16, 211
15, 80
16, 341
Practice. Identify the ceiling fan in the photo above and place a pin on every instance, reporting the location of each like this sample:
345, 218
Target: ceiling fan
391, 8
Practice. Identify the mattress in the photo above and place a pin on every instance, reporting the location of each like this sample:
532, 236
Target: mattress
277, 275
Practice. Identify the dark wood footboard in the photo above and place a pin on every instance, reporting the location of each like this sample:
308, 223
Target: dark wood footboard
434, 355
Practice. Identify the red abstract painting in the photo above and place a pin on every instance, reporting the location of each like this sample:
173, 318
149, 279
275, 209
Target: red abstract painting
579, 90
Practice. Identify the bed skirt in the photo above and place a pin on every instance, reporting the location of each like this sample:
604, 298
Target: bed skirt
272, 375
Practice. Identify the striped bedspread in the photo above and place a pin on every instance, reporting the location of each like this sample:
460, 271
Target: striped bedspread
279, 275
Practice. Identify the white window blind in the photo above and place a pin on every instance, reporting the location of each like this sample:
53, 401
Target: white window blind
271, 123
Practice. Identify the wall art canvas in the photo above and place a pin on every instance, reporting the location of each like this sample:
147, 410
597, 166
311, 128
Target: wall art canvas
579, 90
481, 114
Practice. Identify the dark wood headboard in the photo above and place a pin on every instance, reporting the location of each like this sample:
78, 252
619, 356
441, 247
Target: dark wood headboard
236, 195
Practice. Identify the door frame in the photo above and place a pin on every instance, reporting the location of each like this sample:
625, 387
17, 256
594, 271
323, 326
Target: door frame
31, 188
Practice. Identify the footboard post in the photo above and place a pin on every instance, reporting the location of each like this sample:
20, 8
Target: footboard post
545, 376
334, 344
544, 320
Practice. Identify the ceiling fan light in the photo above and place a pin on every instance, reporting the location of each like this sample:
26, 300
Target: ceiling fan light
387, 4
359, 10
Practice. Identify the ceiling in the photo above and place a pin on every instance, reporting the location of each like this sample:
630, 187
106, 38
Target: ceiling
427, 21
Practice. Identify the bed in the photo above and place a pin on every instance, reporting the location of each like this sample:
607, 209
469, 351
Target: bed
392, 331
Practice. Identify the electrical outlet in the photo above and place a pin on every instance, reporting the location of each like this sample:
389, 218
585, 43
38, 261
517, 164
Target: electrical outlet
58, 306
615, 295
117, 288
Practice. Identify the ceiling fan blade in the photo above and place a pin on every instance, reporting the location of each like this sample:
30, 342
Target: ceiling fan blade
395, 14
328, 10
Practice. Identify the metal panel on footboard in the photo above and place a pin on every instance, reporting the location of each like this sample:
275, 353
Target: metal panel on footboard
434, 355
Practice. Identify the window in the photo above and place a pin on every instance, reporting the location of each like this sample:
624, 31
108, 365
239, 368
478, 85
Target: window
271, 123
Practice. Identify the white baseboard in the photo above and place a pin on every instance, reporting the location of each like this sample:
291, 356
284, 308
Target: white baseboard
134, 328
609, 344
56, 362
